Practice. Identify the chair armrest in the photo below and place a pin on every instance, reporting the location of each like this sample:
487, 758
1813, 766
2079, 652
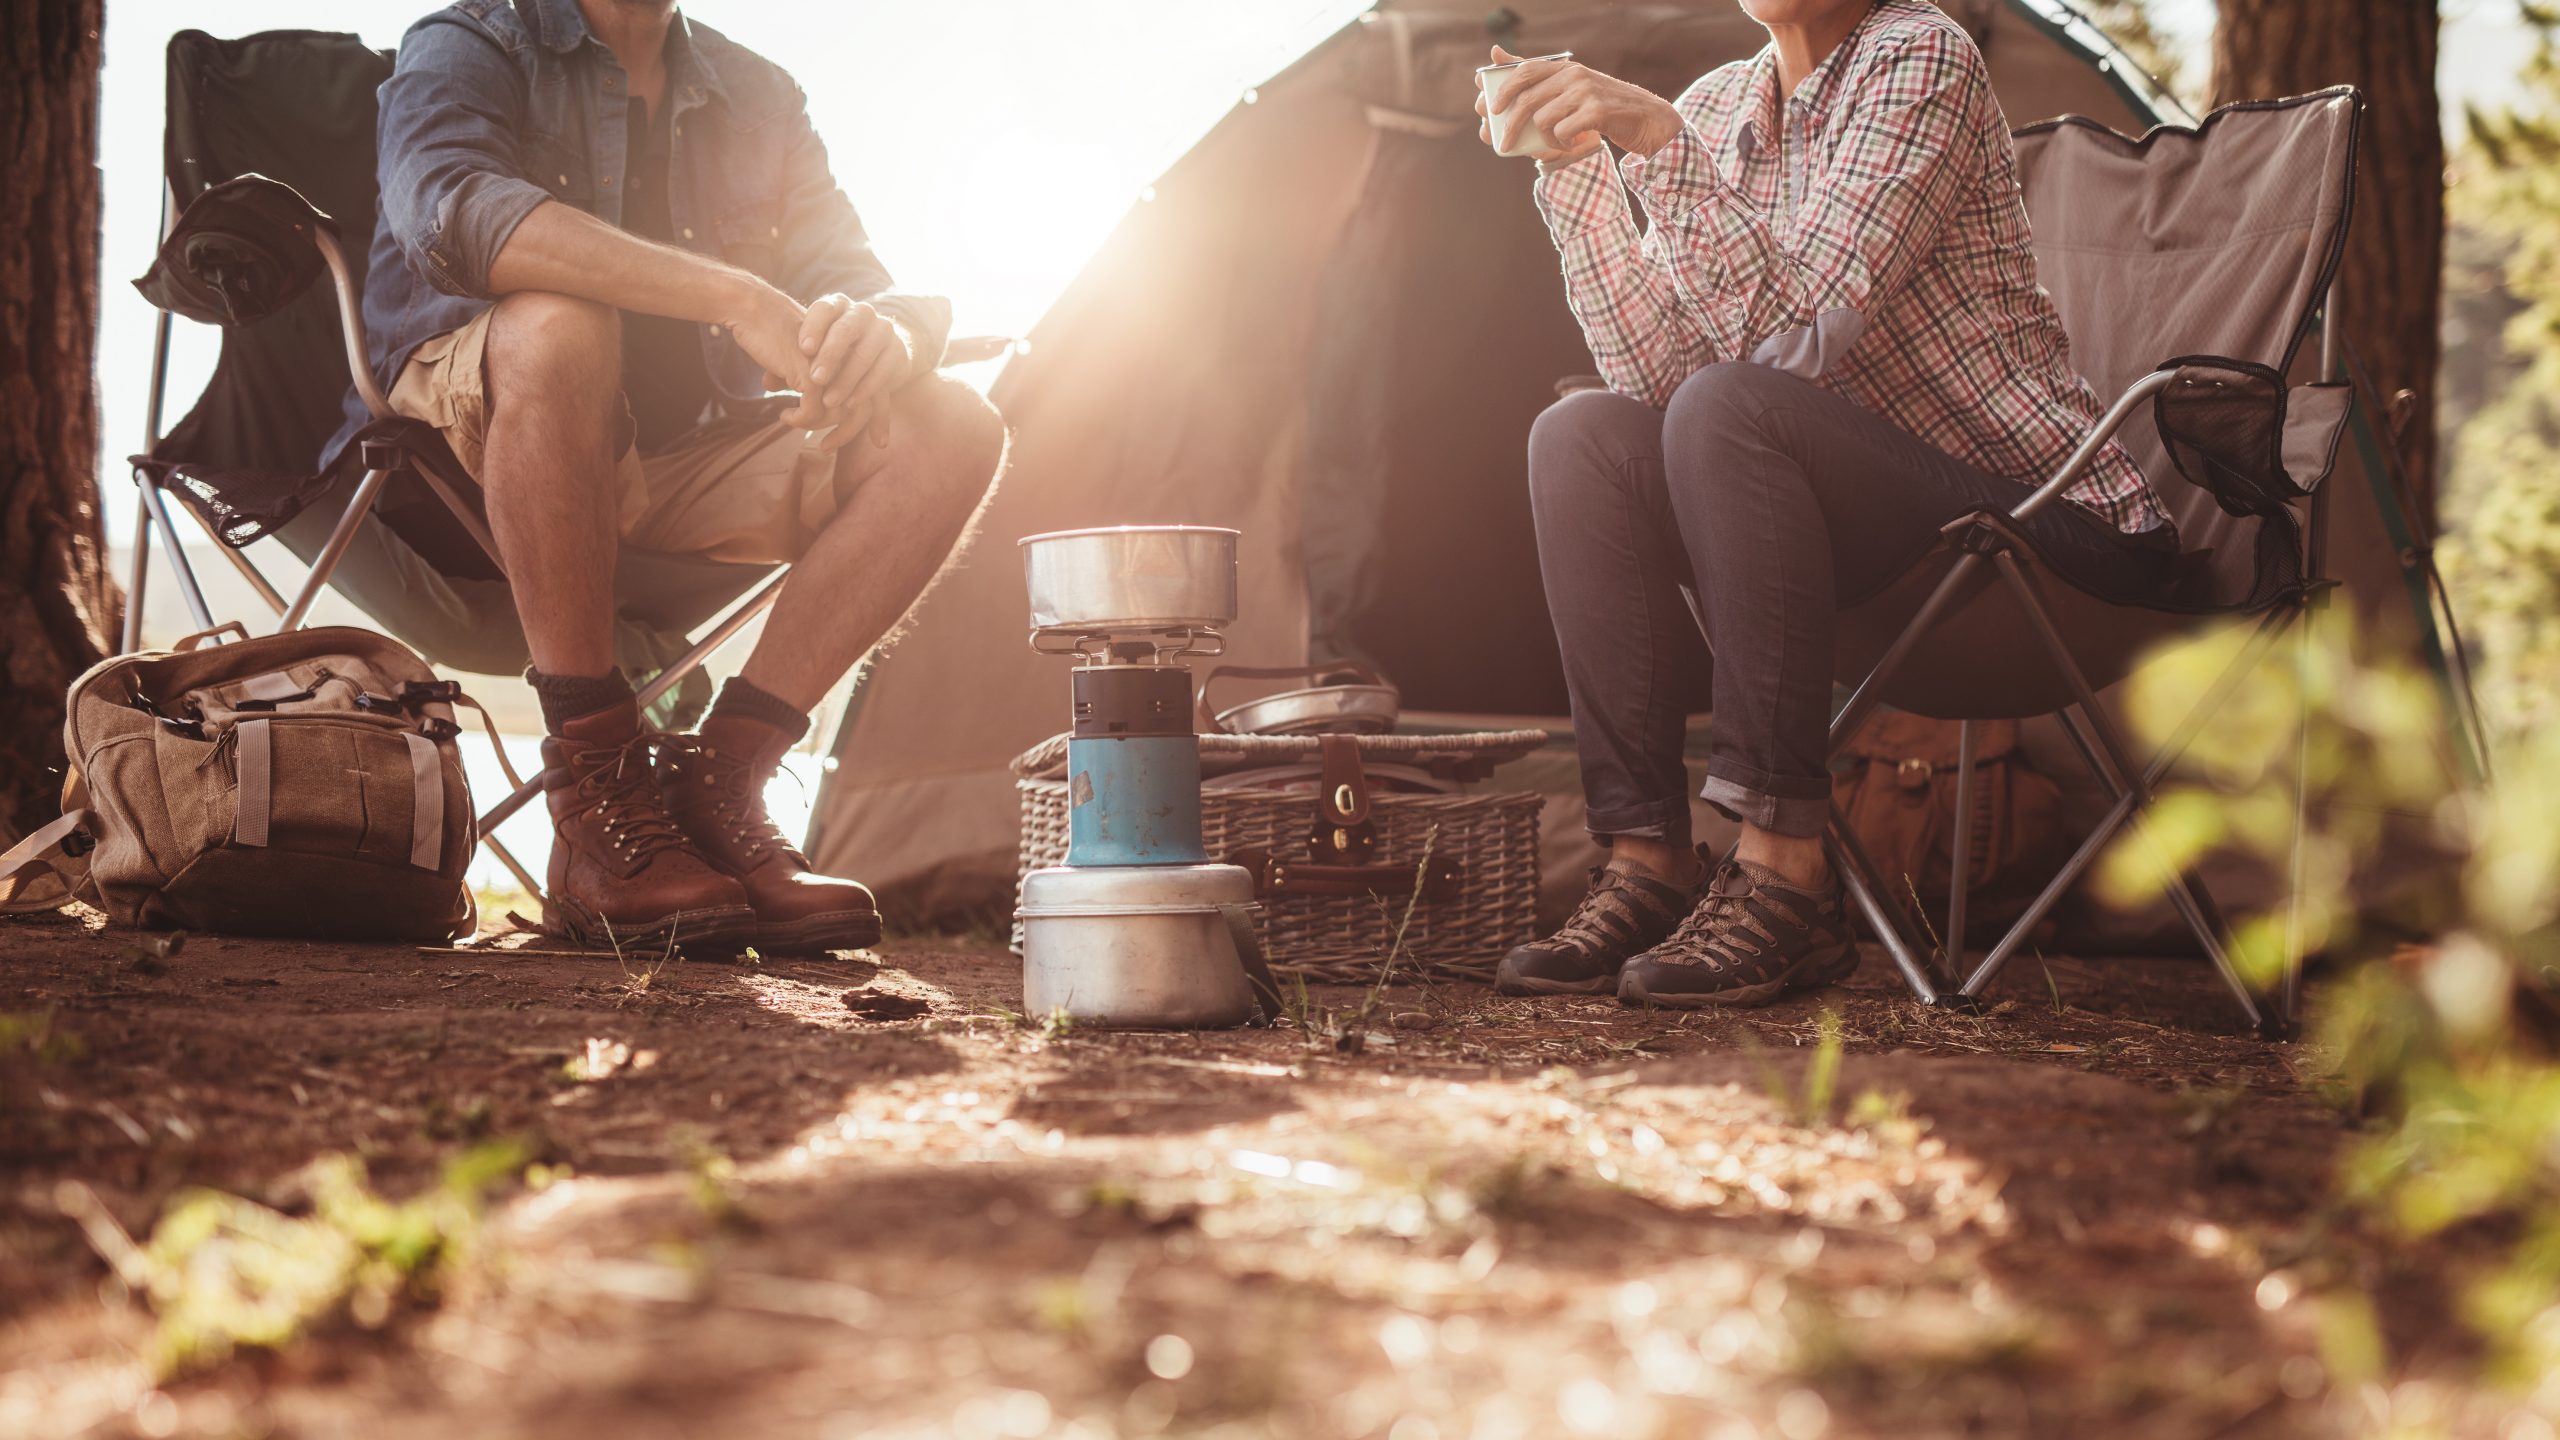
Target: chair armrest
351, 322
2096, 440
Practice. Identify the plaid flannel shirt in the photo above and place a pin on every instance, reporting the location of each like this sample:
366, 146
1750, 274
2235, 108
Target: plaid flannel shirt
1872, 240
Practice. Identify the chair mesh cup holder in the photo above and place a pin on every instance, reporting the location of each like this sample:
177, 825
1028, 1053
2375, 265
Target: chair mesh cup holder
2223, 422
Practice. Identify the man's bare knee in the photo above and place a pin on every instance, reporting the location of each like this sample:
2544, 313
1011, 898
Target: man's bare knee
555, 349
947, 442
964, 433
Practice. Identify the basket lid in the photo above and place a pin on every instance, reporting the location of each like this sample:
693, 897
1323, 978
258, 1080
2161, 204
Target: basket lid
1475, 751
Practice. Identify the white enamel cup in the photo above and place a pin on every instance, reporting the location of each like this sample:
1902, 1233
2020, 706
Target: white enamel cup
1512, 133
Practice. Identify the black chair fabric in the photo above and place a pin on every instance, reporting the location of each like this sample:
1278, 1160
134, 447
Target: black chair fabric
296, 108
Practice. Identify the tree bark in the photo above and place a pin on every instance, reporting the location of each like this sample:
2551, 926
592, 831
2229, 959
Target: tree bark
58, 606
2391, 287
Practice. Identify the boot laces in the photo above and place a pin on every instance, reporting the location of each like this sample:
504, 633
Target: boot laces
619, 784
736, 801
1722, 931
1588, 929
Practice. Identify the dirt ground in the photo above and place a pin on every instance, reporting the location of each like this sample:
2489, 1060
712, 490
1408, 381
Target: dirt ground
857, 1198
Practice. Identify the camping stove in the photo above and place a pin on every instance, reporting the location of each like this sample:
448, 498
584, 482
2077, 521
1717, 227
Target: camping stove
1136, 929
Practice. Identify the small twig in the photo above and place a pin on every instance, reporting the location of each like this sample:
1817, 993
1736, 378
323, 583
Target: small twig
1396, 946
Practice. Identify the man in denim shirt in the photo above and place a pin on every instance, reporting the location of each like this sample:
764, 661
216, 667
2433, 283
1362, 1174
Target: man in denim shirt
606, 232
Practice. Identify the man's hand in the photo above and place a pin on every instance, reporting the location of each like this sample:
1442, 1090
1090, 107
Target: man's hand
858, 358
1580, 108
766, 324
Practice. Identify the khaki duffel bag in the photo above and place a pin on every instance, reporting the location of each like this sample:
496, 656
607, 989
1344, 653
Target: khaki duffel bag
304, 784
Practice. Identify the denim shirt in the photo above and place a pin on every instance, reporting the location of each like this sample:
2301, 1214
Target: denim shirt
496, 106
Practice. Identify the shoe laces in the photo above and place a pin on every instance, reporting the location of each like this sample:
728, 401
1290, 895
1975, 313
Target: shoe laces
618, 784
1586, 929
736, 801
1722, 932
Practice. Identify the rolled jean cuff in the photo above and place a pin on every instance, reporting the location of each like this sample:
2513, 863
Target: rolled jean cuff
1799, 816
1647, 820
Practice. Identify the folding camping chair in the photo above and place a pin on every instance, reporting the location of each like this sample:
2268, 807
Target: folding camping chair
270, 176
2215, 245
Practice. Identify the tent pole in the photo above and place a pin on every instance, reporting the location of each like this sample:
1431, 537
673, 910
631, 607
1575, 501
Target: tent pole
140, 575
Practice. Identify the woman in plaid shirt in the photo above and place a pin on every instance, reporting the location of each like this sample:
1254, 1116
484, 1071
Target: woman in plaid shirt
1826, 342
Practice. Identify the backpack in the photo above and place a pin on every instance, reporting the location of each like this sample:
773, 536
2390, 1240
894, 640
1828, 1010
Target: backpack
1895, 785
304, 784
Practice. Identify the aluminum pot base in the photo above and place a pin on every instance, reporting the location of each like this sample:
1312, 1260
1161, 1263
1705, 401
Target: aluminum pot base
1136, 947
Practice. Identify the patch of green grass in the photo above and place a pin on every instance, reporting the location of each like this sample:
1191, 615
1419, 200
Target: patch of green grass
714, 1176
2050, 988
1886, 1114
224, 1273
1108, 1197
1058, 1306
36, 1035
1055, 1026
443, 1119
1813, 1100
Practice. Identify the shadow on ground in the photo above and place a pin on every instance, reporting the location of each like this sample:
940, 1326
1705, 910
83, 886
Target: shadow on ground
853, 1197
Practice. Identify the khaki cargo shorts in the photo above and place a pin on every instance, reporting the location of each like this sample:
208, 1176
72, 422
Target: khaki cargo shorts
742, 490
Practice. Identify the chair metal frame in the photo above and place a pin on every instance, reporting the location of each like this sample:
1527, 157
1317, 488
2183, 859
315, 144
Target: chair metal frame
2097, 739
383, 459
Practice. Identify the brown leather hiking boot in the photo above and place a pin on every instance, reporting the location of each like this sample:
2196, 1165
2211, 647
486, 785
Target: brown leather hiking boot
714, 786
622, 874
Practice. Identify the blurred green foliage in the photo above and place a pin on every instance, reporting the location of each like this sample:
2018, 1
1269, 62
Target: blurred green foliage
2501, 554
2450, 1047
225, 1273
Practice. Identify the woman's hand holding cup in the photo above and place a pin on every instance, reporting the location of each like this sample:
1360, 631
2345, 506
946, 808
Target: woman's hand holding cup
1570, 106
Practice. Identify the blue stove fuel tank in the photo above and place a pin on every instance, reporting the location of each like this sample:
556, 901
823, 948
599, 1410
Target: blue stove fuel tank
1134, 800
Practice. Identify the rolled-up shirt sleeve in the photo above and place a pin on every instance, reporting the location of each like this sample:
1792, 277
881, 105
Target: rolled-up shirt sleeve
1632, 314
1878, 205
825, 249
453, 188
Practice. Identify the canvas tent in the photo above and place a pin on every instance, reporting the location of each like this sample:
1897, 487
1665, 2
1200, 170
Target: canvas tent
1330, 325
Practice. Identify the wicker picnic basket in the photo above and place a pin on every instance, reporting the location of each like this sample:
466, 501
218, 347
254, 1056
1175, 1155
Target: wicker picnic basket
1464, 864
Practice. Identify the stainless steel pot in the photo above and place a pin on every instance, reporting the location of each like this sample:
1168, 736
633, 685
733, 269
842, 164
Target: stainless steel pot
1137, 946
1132, 577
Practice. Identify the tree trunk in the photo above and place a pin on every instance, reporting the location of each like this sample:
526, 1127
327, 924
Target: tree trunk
2391, 287
58, 607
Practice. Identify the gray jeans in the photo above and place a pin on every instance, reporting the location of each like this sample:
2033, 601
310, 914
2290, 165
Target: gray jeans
1783, 501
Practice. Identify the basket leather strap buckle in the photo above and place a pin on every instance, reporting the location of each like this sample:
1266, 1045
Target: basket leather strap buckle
1344, 833
1440, 880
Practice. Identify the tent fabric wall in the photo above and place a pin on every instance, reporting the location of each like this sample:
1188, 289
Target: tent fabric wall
1165, 386
1330, 327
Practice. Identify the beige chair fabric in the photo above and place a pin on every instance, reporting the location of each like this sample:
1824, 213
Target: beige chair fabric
2216, 241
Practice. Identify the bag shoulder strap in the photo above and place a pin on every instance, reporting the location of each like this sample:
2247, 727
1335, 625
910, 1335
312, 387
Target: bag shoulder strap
46, 852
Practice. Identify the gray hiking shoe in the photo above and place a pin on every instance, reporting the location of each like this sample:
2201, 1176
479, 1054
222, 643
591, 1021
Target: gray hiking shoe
1752, 939
1623, 914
